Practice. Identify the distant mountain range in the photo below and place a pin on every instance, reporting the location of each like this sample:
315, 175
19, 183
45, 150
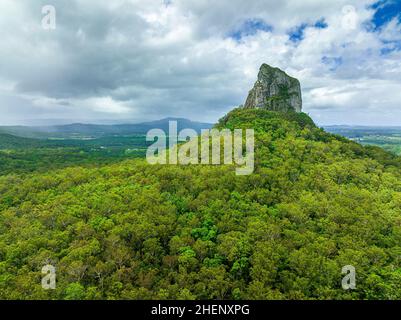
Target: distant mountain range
93, 131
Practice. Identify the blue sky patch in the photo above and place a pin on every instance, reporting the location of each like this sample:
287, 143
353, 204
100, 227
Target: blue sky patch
386, 10
390, 46
297, 34
321, 24
332, 62
249, 28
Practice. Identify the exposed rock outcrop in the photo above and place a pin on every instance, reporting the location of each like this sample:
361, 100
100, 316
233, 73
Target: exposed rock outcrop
275, 90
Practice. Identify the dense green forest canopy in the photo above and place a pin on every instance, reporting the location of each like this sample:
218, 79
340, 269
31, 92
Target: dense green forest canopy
315, 203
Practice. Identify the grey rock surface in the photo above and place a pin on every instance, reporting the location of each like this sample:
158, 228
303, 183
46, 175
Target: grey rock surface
275, 90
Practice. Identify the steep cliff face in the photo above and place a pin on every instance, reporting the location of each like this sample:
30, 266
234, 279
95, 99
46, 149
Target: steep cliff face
275, 90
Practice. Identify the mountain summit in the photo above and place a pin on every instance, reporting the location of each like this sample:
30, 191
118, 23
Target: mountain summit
275, 90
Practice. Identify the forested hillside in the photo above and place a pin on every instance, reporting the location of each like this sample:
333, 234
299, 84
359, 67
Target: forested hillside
20, 155
315, 203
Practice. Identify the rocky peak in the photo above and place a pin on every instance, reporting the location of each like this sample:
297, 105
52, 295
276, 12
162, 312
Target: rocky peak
275, 90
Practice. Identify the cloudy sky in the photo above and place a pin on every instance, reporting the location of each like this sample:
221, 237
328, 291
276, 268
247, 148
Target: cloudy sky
133, 60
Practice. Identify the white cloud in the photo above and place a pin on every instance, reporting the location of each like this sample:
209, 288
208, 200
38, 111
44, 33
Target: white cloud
105, 105
137, 60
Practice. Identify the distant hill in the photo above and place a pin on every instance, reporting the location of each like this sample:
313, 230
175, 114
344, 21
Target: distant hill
27, 149
8, 141
81, 130
388, 138
360, 131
